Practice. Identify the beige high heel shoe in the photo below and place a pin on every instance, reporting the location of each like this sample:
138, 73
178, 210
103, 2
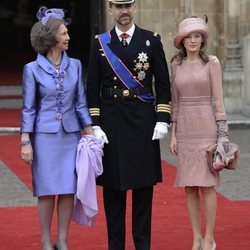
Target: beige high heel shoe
214, 246
201, 245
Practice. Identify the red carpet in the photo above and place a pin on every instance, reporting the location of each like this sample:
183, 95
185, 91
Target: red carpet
10, 117
170, 231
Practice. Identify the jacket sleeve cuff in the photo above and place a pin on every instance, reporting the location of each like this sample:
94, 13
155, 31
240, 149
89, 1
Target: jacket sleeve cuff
163, 112
163, 117
95, 115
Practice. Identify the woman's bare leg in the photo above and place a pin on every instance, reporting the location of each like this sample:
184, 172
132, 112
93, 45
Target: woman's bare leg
194, 210
210, 205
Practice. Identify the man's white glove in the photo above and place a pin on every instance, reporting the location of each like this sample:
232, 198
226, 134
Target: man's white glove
160, 130
99, 134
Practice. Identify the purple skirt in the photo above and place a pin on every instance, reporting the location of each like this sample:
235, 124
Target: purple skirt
53, 167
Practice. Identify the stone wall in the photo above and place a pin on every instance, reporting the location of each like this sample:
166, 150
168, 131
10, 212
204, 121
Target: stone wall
229, 23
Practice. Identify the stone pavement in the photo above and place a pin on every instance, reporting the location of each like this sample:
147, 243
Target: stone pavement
235, 185
13, 191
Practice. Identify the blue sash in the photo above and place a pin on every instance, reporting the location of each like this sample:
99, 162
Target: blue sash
120, 69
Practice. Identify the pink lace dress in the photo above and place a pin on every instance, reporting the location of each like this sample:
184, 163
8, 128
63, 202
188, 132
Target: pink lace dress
197, 103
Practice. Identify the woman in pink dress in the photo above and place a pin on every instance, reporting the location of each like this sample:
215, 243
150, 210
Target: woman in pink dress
198, 121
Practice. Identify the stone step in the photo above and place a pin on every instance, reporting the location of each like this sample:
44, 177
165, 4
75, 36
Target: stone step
10, 96
10, 90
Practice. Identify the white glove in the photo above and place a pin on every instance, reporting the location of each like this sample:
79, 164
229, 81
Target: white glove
99, 134
160, 130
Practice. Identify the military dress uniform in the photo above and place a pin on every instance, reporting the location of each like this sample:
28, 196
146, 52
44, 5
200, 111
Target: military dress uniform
131, 158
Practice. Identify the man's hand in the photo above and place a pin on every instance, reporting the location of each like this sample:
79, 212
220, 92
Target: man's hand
99, 134
160, 130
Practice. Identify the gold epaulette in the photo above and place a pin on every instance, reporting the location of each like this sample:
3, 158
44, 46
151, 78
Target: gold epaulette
94, 111
164, 108
155, 34
96, 36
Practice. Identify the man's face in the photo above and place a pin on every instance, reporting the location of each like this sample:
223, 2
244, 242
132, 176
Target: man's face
123, 14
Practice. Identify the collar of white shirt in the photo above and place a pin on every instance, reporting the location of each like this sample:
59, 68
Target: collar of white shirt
130, 32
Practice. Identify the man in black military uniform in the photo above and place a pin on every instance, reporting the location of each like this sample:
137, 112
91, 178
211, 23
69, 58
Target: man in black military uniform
130, 115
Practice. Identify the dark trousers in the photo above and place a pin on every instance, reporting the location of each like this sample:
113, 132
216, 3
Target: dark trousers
115, 209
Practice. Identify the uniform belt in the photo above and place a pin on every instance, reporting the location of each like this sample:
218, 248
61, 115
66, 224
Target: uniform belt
125, 93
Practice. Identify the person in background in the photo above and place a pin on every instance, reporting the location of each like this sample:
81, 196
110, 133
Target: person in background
130, 119
196, 84
53, 114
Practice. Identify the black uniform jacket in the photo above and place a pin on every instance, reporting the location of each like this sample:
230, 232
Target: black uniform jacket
131, 159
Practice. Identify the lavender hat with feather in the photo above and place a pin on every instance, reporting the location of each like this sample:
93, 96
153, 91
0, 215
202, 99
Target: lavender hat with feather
44, 14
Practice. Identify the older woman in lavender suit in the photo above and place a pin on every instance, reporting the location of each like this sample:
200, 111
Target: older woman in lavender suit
53, 114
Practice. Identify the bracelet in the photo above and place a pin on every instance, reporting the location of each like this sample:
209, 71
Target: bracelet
24, 143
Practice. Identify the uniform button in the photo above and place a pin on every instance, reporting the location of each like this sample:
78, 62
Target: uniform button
134, 61
115, 87
115, 96
135, 96
134, 77
135, 69
125, 92
115, 78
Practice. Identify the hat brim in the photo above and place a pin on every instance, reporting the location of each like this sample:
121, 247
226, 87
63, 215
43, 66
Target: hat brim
178, 38
188, 26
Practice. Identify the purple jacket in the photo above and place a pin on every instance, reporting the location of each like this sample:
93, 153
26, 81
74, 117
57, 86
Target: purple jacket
88, 167
51, 96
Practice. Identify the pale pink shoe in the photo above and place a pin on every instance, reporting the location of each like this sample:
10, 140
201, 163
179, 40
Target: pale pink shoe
214, 246
201, 245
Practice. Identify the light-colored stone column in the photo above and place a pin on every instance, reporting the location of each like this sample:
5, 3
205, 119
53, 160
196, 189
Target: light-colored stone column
246, 61
233, 71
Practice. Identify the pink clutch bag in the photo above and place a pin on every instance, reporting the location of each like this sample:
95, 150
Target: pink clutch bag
219, 158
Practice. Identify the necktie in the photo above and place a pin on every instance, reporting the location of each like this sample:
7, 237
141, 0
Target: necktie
124, 36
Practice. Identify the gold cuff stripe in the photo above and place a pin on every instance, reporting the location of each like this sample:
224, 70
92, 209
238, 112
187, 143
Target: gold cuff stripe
94, 111
164, 110
163, 105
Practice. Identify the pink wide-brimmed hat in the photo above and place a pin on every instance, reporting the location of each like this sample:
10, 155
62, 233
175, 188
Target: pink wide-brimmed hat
190, 25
